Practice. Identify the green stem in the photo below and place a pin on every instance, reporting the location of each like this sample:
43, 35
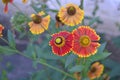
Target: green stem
64, 78
5, 40
82, 7
81, 4
43, 63
54, 68
47, 65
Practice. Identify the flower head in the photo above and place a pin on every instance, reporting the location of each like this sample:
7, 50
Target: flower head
61, 43
39, 23
6, 4
96, 70
85, 41
71, 15
1, 29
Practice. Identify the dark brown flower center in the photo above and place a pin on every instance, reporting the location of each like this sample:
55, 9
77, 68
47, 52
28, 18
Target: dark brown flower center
37, 19
57, 18
71, 10
93, 70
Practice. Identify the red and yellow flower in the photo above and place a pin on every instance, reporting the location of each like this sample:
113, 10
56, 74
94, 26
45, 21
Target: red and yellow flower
1, 30
71, 14
6, 4
61, 43
85, 41
39, 23
96, 70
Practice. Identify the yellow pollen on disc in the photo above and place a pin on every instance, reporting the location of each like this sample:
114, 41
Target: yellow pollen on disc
85, 41
60, 41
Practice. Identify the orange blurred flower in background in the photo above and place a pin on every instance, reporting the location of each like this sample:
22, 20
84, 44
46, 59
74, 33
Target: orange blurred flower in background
6, 4
77, 75
39, 23
71, 14
85, 41
1, 30
61, 43
58, 21
24, 1
96, 70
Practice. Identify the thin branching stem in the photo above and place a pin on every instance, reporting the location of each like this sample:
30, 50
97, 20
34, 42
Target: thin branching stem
82, 7
41, 62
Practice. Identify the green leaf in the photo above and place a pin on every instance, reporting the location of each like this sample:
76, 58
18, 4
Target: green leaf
77, 68
93, 21
19, 22
71, 58
101, 48
11, 39
39, 75
95, 10
35, 63
30, 51
53, 10
45, 52
97, 56
6, 50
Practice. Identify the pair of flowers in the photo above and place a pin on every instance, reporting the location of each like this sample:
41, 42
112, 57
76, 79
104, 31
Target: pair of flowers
83, 41
70, 15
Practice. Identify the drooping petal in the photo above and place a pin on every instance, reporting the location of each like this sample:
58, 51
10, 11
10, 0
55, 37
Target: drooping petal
6, 8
